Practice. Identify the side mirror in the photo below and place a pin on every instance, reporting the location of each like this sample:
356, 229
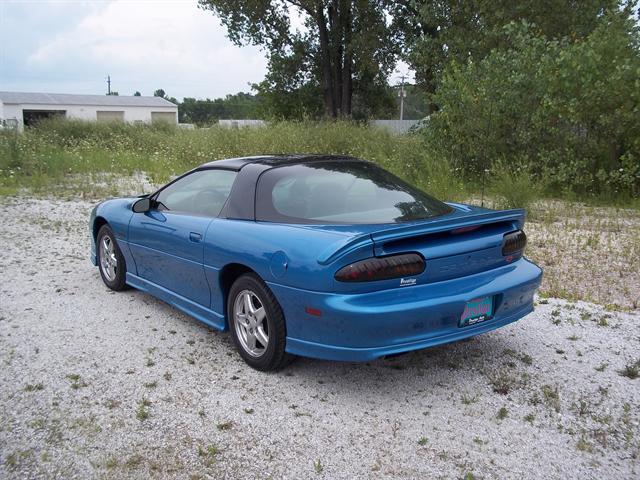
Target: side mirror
143, 205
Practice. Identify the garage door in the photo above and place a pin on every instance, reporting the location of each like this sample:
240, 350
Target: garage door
105, 116
168, 117
32, 117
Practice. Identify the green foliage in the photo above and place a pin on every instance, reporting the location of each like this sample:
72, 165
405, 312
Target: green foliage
162, 94
562, 113
416, 103
61, 152
208, 112
631, 370
512, 188
279, 103
437, 32
502, 413
334, 65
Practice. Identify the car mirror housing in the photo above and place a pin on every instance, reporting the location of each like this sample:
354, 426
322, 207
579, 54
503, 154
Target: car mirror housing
141, 206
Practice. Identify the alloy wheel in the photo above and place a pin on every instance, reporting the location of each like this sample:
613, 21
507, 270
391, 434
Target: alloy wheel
250, 319
108, 258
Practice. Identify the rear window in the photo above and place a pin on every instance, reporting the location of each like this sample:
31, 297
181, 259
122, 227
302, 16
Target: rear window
336, 192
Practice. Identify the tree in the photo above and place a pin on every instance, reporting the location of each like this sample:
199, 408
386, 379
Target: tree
562, 111
416, 105
345, 48
113, 93
137, 94
207, 112
162, 94
437, 32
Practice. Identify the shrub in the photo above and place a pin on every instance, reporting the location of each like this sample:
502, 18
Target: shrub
562, 110
513, 189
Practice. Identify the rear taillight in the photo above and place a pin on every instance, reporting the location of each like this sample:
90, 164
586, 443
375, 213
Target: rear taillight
514, 243
382, 268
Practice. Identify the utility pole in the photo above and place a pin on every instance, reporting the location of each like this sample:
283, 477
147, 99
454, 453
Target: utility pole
402, 94
108, 84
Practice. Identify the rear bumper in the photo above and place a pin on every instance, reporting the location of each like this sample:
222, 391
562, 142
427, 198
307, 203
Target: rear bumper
361, 327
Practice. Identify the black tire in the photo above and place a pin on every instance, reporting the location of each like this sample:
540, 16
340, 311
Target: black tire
118, 280
274, 356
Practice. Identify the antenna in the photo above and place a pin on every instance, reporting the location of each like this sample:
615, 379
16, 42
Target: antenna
108, 84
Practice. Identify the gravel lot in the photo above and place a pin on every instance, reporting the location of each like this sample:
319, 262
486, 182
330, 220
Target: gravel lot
102, 385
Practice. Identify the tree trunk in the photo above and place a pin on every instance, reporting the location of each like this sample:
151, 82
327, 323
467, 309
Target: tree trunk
429, 75
347, 81
325, 53
335, 27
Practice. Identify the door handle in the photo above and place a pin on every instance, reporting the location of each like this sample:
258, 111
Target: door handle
195, 237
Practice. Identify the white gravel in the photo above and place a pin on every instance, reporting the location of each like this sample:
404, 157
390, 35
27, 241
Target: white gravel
77, 361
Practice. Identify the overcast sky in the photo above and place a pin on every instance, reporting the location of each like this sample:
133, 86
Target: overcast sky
68, 46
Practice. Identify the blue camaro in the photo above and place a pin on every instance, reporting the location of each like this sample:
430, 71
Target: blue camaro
322, 256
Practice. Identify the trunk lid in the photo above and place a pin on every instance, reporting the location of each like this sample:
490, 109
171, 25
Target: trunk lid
467, 241
453, 247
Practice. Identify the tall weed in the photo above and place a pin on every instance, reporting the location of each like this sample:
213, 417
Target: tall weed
58, 151
513, 188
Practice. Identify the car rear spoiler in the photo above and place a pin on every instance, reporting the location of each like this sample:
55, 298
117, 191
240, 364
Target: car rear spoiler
343, 247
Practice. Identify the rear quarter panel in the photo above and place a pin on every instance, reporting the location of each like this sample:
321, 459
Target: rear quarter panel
282, 254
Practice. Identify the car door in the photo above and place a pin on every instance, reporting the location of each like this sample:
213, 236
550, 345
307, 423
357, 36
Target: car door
167, 242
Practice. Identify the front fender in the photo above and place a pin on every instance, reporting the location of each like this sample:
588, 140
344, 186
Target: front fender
117, 214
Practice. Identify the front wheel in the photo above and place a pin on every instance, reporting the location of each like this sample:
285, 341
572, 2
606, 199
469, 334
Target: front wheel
257, 324
110, 260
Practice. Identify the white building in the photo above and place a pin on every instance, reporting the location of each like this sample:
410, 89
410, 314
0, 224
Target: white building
27, 108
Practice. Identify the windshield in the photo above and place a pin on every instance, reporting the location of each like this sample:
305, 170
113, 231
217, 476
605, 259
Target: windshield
341, 192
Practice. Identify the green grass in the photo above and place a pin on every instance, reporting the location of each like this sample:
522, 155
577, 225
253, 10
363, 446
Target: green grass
584, 446
631, 370
551, 397
71, 158
76, 381
512, 189
208, 454
75, 156
142, 412
224, 426
503, 382
33, 387
468, 400
502, 413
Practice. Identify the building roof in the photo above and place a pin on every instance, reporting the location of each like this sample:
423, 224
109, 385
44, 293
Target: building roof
72, 99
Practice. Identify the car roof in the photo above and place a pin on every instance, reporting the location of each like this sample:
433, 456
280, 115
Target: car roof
270, 161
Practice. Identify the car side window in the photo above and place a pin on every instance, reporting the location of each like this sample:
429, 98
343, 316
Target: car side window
202, 192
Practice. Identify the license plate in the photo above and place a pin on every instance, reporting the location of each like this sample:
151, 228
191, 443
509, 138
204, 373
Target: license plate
476, 311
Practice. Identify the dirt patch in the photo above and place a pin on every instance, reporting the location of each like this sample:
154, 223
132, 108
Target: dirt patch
587, 253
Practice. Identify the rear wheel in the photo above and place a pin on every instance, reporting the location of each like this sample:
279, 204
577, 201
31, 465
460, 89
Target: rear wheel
110, 260
257, 324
